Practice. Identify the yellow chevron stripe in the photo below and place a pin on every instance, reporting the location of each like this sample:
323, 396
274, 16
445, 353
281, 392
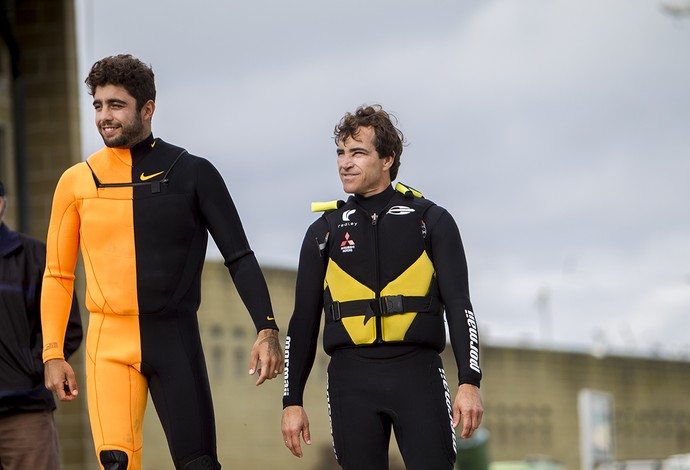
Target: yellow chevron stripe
414, 281
343, 288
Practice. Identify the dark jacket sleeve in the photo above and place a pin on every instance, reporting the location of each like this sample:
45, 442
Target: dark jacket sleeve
224, 225
303, 331
451, 270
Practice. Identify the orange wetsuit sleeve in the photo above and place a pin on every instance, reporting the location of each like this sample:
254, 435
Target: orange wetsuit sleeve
62, 246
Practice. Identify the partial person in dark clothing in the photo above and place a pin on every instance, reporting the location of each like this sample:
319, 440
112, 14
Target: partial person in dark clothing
28, 438
384, 267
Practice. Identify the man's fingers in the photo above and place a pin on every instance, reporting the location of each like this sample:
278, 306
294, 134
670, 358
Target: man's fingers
293, 444
267, 370
60, 392
71, 389
272, 363
253, 360
71, 382
263, 375
306, 434
291, 439
470, 423
467, 428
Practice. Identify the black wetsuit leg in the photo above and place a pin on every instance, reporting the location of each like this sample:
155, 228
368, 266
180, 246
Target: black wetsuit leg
368, 396
173, 362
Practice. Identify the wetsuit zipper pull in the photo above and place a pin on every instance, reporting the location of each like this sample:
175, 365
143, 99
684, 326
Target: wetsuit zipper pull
374, 218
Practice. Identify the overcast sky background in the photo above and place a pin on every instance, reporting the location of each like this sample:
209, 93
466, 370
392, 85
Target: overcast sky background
556, 133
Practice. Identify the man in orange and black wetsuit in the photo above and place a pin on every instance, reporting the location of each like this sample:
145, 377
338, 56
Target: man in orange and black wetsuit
139, 209
383, 267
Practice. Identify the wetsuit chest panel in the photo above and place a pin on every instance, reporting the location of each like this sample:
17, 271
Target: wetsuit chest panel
170, 233
107, 242
170, 238
107, 235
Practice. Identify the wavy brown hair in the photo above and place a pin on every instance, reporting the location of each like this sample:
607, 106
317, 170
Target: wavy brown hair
124, 70
389, 139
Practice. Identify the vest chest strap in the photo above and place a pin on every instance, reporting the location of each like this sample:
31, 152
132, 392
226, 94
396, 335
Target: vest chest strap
382, 306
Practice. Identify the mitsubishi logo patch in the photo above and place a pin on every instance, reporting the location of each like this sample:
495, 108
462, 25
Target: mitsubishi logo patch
347, 245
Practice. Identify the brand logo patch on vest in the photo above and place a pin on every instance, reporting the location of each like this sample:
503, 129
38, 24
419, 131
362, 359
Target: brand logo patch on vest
347, 245
346, 219
400, 210
347, 214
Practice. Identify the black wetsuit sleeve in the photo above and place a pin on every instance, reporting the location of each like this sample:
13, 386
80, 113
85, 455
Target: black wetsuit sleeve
224, 224
451, 270
303, 331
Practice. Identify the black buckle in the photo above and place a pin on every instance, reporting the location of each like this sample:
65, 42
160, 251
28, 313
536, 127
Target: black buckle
391, 304
334, 309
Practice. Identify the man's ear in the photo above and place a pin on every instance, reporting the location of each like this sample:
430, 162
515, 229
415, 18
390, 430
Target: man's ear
147, 110
388, 162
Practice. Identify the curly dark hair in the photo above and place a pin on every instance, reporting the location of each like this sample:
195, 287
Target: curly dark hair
124, 70
389, 139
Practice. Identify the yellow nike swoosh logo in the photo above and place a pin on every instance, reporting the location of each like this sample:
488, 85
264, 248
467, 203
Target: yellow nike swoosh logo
270, 318
144, 177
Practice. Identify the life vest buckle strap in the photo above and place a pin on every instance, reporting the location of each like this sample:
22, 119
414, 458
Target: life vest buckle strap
382, 306
391, 305
334, 309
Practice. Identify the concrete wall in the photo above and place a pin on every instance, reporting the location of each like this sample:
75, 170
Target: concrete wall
45, 32
531, 401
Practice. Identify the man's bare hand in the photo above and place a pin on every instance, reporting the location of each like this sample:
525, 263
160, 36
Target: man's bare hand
468, 406
294, 424
268, 353
60, 379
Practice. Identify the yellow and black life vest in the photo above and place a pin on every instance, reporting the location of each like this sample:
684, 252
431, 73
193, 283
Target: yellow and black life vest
380, 284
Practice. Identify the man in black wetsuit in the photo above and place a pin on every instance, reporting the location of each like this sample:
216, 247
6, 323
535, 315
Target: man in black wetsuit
140, 210
383, 267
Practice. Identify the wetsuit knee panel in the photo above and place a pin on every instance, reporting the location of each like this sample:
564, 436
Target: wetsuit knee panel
114, 459
205, 462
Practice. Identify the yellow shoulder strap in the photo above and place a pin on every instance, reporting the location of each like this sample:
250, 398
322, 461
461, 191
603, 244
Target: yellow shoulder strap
404, 189
324, 206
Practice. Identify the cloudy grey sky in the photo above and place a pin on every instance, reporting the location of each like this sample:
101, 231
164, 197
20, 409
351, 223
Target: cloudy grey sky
555, 132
